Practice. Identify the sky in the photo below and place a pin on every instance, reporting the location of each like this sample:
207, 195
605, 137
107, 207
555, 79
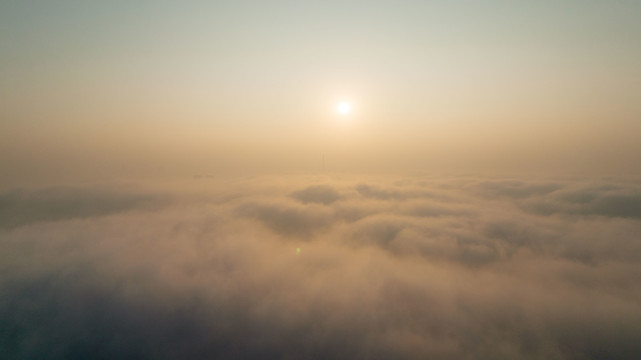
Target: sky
320, 180
160, 88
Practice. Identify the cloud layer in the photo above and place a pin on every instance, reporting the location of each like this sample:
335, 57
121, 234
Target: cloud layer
412, 268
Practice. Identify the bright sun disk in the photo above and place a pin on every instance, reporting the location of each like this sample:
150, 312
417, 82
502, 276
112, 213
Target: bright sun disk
344, 108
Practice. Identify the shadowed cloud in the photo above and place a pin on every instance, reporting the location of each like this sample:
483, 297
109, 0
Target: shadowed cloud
288, 219
321, 194
22, 207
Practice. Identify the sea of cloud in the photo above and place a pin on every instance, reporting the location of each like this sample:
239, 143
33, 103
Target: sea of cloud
323, 267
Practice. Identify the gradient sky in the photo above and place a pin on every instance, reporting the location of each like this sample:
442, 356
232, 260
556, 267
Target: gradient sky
177, 183
139, 87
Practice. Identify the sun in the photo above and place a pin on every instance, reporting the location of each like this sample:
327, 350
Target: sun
344, 108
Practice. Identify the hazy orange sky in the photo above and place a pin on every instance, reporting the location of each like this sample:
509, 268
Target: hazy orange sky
162, 88
320, 180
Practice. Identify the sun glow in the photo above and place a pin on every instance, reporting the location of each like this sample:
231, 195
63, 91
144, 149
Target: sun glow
344, 108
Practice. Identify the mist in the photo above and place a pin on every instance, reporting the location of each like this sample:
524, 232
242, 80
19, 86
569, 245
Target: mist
332, 180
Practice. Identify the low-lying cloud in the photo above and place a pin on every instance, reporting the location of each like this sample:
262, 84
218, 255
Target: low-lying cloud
21, 207
324, 267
